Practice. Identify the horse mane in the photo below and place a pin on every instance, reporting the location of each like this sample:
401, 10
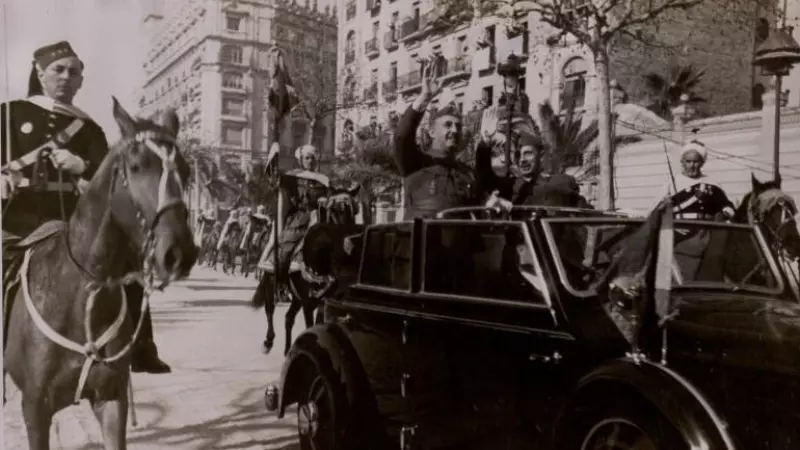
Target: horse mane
754, 205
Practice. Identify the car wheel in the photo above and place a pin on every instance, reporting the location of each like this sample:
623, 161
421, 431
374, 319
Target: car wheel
318, 414
621, 425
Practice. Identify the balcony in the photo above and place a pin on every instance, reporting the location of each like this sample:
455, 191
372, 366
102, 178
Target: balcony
350, 10
390, 40
458, 67
371, 93
390, 89
412, 29
371, 48
374, 7
349, 57
409, 81
408, 28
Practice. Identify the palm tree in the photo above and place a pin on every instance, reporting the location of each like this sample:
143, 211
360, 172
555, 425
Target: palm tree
369, 163
666, 91
568, 143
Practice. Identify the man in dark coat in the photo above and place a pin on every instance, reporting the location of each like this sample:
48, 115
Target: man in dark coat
434, 180
73, 143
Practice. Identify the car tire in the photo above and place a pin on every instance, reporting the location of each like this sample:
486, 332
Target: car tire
618, 424
322, 412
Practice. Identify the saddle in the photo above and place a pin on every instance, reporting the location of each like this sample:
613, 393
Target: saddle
14, 248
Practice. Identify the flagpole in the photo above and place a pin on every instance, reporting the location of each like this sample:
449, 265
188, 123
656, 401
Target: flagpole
279, 204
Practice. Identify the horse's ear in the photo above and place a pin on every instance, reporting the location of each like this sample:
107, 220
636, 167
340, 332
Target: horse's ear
124, 120
169, 120
757, 185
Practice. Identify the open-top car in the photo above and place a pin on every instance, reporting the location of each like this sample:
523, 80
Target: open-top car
465, 327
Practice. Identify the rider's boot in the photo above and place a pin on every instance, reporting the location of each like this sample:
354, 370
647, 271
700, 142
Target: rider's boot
145, 353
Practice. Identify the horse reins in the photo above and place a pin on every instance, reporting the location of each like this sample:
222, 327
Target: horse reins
144, 277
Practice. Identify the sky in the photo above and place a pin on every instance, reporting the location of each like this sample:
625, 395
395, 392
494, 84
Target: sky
106, 34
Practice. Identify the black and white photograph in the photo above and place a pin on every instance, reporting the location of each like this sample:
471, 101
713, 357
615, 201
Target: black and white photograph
400, 224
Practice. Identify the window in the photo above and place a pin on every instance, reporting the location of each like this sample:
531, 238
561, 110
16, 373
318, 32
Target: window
574, 84
375, 28
230, 54
232, 80
393, 72
232, 106
480, 259
387, 257
233, 23
487, 96
350, 47
233, 135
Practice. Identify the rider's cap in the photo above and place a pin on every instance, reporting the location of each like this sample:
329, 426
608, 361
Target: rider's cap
695, 146
49, 53
307, 149
528, 140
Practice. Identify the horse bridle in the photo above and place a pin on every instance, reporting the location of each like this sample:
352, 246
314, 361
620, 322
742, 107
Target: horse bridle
787, 217
169, 169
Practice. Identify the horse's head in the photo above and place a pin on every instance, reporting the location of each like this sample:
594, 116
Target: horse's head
342, 206
769, 207
148, 198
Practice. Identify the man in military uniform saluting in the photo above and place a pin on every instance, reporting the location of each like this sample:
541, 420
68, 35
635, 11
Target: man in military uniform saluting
42, 135
433, 180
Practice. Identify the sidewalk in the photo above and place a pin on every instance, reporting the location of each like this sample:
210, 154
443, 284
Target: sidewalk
214, 397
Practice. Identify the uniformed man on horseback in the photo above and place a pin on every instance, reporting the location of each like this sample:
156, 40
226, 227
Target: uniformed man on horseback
50, 150
694, 194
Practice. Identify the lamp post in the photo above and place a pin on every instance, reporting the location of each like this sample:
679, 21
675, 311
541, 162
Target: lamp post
511, 71
776, 55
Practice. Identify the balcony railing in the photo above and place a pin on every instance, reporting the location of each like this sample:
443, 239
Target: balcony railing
419, 27
349, 57
390, 89
409, 27
371, 93
459, 66
390, 39
371, 48
409, 81
350, 10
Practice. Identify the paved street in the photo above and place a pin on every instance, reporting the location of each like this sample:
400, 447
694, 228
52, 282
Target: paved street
214, 397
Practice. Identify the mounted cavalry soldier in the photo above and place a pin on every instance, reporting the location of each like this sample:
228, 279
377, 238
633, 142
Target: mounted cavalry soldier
50, 151
694, 194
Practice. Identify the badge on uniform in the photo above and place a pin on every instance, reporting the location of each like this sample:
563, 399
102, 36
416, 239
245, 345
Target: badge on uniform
26, 128
432, 187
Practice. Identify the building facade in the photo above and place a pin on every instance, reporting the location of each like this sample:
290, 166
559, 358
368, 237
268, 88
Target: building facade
381, 43
208, 59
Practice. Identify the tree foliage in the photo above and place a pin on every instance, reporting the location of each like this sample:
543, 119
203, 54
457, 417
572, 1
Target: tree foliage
666, 91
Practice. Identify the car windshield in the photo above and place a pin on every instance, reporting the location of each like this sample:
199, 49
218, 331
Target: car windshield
705, 254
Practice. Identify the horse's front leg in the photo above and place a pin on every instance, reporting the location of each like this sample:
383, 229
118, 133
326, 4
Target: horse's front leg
267, 283
113, 418
291, 313
38, 418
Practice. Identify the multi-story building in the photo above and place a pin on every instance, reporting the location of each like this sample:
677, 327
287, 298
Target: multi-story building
208, 59
381, 43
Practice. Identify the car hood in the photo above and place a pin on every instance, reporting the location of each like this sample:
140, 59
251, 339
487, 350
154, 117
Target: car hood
736, 329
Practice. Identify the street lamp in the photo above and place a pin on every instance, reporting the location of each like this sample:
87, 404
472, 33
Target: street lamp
511, 71
776, 55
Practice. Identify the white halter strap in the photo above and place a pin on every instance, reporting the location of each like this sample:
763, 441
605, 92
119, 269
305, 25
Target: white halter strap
170, 169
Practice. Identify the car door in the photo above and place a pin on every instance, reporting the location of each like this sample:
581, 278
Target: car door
484, 330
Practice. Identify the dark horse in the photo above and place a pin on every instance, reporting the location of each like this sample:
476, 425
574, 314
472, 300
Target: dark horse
69, 333
230, 247
341, 208
771, 209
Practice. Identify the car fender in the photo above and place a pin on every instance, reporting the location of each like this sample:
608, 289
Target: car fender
680, 402
328, 347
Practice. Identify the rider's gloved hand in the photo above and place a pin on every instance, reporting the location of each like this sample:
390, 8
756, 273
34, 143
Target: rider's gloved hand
497, 202
65, 160
9, 180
